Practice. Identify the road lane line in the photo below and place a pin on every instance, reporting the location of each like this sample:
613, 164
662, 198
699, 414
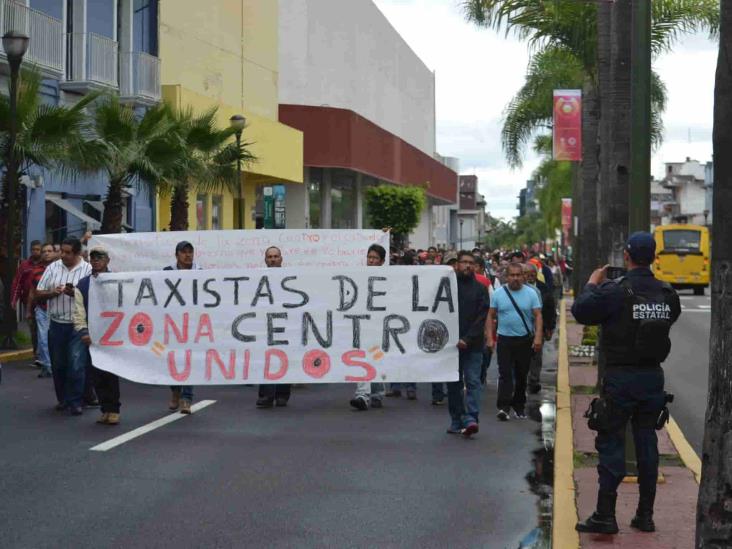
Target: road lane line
131, 435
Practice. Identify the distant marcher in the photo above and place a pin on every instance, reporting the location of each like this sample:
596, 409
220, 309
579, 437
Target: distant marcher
463, 396
20, 290
549, 321
57, 288
181, 396
370, 394
517, 309
274, 393
105, 383
37, 310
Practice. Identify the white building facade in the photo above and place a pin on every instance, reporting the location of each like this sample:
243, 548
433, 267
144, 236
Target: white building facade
366, 105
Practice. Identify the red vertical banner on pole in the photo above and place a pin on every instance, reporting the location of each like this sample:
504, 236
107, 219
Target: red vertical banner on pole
567, 219
567, 135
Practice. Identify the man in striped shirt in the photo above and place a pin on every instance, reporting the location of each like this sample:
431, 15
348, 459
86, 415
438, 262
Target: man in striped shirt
56, 287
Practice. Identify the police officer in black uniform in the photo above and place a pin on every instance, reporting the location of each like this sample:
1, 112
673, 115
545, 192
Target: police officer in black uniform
636, 312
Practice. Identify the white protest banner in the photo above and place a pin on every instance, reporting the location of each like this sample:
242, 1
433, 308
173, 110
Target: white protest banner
242, 249
221, 327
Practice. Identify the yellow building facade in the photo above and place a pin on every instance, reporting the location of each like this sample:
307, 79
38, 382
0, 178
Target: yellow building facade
224, 53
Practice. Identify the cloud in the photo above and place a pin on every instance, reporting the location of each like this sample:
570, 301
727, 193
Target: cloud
479, 70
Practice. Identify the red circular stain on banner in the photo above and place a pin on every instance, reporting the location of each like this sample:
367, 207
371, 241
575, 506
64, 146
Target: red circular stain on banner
316, 363
140, 330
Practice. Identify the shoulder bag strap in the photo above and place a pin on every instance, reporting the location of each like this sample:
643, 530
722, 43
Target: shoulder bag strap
521, 315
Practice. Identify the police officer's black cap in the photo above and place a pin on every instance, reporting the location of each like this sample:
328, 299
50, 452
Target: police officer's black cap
641, 247
182, 245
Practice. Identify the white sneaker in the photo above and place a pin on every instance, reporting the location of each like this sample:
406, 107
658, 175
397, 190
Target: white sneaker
502, 415
519, 415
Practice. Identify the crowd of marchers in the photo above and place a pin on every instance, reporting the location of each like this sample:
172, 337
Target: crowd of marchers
506, 305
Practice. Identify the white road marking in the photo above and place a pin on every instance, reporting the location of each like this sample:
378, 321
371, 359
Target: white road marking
705, 306
116, 441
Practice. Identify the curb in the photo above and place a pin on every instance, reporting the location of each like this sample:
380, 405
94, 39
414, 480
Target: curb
686, 452
564, 513
12, 356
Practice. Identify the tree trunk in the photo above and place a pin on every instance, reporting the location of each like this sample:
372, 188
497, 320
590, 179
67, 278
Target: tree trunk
112, 216
179, 208
620, 131
604, 60
590, 168
576, 239
714, 508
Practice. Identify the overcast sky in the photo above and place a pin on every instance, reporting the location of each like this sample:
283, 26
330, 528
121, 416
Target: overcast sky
479, 70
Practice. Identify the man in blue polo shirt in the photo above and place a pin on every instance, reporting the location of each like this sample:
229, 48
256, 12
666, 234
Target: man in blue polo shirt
517, 309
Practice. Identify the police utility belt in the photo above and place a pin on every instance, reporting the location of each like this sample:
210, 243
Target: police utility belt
604, 415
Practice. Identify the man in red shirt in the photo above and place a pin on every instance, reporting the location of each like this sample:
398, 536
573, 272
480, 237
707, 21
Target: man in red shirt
21, 287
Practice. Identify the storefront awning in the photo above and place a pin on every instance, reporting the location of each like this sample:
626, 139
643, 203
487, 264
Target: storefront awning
92, 224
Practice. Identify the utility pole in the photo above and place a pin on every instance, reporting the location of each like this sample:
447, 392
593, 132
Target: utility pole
640, 112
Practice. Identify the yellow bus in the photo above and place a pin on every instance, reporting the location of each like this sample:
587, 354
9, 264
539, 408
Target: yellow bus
682, 256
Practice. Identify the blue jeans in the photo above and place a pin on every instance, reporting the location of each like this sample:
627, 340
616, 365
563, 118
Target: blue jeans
465, 409
407, 386
636, 395
42, 329
69, 357
186, 391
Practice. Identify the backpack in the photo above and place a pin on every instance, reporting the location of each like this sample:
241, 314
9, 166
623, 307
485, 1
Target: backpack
651, 322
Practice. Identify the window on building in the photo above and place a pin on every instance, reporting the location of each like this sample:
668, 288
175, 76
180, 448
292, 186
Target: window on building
343, 199
367, 182
201, 212
316, 179
145, 26
56, 229
54, 8
100, 17
216, 212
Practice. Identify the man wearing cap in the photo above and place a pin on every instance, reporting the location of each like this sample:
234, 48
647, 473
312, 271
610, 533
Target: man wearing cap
636, 312
182, 396
105, 383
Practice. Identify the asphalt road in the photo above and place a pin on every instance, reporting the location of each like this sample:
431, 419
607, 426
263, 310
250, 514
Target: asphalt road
687, 368
314, 474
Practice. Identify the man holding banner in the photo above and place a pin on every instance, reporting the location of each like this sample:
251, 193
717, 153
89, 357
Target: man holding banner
182, 396
370, 393
274, 393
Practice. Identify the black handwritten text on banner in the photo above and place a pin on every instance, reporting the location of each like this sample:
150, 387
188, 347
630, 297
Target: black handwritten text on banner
283, 325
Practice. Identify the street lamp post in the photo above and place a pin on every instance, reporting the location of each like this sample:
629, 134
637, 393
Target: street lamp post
237, 123
15, 45
461, 234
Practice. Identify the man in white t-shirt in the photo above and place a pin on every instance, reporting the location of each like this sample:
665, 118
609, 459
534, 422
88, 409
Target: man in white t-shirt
56, 287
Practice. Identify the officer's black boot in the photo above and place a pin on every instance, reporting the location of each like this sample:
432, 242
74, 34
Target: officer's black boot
603, 520
643, 519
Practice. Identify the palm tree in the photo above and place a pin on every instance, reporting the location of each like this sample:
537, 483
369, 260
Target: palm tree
713, 507
209, 163
48, 137
133, 149
573, 27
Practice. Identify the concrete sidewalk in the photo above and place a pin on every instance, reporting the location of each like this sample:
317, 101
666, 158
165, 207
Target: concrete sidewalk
675, 509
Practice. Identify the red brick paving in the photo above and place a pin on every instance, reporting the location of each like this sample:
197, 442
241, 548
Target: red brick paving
583, 375
675, 511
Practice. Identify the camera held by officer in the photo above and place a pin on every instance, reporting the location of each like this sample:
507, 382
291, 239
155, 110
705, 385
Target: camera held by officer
635, 312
